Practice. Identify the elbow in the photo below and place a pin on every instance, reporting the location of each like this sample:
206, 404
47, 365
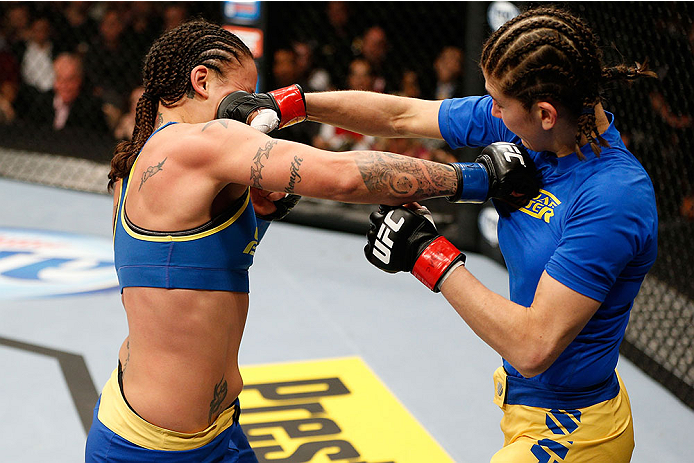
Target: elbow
535, 360
531, 369
348, 189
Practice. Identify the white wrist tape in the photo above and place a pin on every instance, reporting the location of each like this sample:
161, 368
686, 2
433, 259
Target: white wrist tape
447, 274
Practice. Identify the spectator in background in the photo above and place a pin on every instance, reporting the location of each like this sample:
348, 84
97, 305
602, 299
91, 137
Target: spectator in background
126, 124
334, 138
9, 82
310, 77
114, 67
448, 68
37, 58
284, 68
74, 27
373, 47
144, 25
68, 106
335, 52
409, 84
174, 14
16, 22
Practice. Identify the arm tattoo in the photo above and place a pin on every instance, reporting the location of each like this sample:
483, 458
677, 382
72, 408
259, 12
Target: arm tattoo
294, 176
151, 170
220, 393
224, 123
402, 176
257, 166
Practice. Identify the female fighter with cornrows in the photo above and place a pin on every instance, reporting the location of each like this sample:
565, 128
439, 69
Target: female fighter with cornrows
576, 254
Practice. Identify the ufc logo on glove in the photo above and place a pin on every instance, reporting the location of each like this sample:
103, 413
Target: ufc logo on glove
511, 151
383, 243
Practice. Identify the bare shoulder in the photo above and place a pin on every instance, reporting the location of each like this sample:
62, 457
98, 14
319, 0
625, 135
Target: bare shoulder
199, 144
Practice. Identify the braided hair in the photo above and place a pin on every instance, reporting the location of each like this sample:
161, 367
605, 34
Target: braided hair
166, 79
548, 54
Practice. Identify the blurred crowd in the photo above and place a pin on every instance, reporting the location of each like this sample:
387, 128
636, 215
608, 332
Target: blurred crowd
67, 66
76, 65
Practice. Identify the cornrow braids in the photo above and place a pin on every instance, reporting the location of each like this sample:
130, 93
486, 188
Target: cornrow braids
549, 54
166, 79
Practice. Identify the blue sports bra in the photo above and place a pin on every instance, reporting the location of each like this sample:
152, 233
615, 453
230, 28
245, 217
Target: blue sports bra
213, 256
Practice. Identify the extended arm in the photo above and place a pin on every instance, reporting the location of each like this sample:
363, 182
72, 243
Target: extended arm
502, 171
231, 152
375, 113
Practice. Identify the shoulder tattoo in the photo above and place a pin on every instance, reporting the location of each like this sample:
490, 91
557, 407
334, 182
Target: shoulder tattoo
151, 171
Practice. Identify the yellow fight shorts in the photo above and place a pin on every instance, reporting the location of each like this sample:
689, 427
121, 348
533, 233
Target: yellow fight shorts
600, 433
118, 435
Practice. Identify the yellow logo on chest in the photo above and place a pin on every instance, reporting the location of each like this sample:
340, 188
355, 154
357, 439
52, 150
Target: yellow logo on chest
542, 206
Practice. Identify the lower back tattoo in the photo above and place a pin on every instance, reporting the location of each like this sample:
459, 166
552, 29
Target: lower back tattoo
220, 393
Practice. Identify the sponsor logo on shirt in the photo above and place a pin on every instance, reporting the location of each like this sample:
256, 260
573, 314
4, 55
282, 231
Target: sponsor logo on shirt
542, 206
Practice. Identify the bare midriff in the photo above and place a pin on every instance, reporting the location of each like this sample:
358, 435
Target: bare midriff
180, 360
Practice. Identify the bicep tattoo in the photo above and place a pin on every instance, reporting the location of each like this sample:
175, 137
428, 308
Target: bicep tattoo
405, 177
257, 167
294, 176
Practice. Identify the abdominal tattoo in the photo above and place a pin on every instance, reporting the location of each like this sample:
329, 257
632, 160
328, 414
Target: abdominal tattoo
220, 393
257, 166
151, 170
406, 177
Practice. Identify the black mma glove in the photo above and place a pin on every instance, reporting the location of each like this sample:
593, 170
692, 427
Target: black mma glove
283, 205
276, 109
282, 208
402, 240
503, 170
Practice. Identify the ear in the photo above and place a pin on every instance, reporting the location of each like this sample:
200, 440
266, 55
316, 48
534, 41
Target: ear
200, 80
548, 114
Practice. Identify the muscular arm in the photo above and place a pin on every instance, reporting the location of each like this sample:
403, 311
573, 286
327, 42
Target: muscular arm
529, 338
375, 113
235, 153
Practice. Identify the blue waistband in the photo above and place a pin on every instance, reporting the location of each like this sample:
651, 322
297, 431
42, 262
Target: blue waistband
523, 391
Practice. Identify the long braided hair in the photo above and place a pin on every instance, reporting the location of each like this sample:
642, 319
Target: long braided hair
547, 54
166, 79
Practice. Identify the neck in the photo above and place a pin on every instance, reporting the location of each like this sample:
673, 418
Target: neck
568, 142
186, 111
